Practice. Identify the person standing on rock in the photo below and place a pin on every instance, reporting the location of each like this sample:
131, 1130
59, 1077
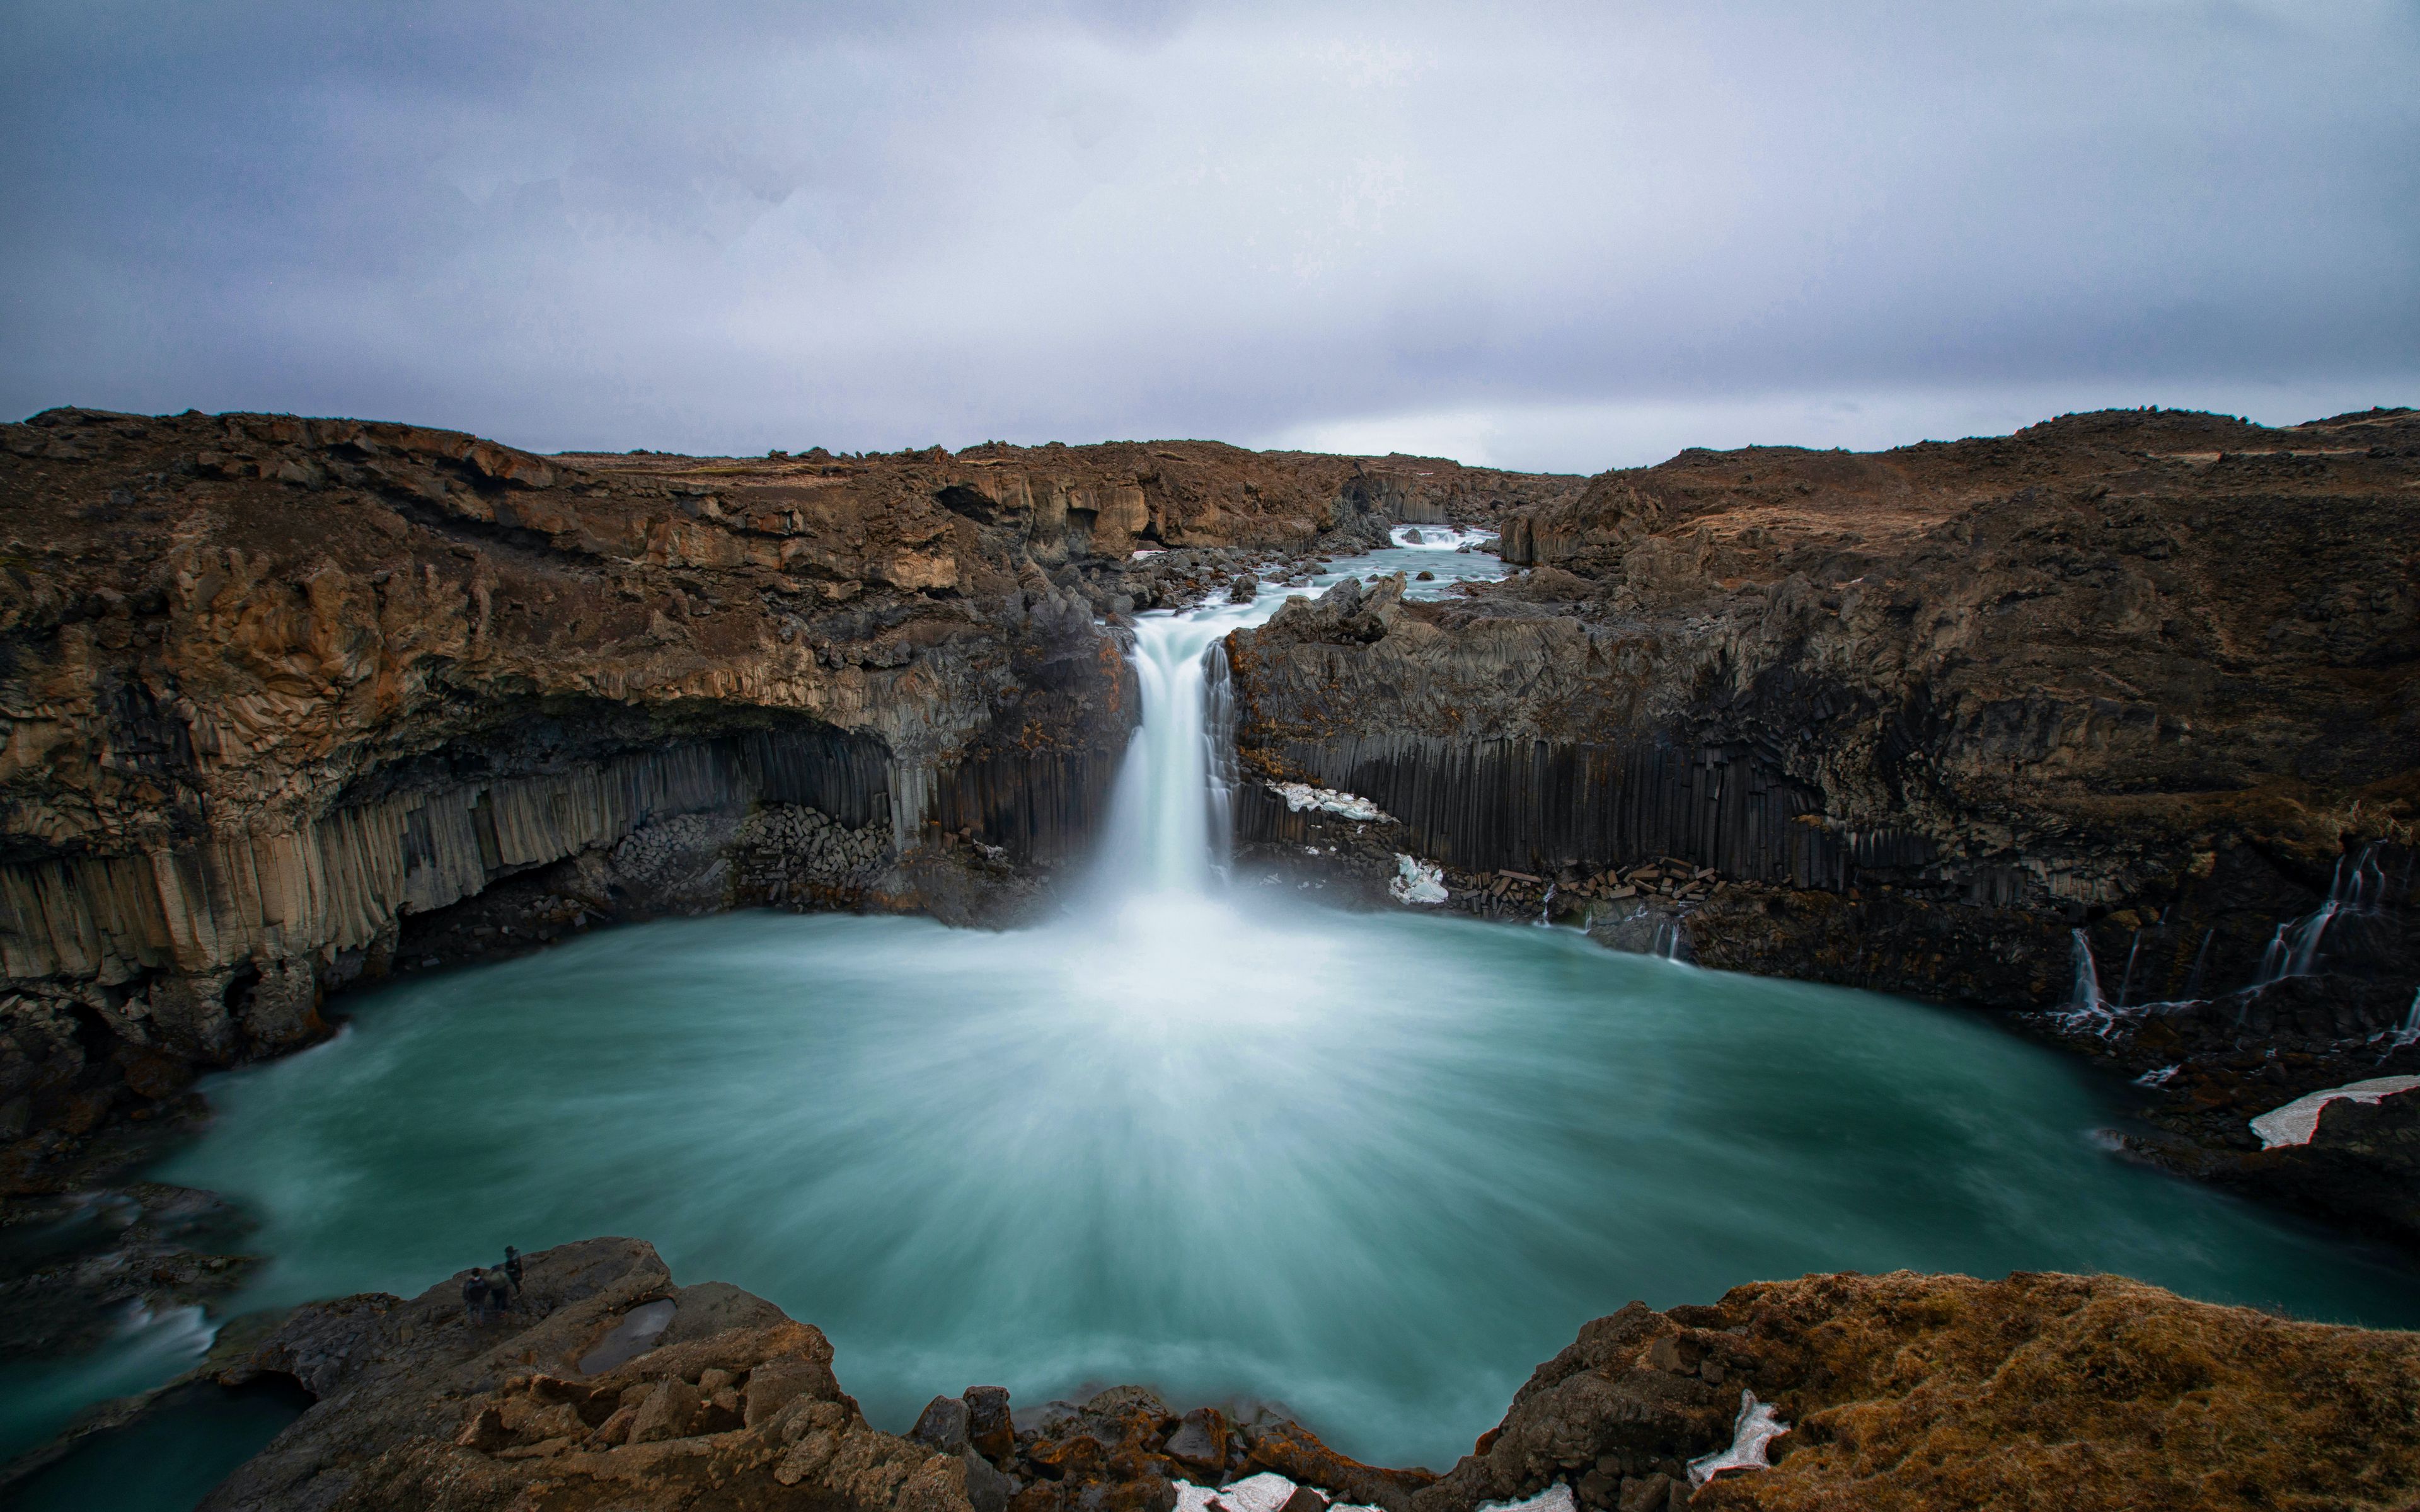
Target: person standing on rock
513, 1267
474, 1295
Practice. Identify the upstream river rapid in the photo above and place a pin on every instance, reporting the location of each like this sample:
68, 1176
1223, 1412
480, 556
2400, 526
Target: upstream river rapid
1205, 1136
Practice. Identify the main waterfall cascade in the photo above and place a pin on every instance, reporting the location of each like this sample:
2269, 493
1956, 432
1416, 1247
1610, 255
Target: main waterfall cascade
1374, 1164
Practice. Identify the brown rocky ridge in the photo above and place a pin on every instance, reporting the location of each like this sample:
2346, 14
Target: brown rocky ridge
608, 1386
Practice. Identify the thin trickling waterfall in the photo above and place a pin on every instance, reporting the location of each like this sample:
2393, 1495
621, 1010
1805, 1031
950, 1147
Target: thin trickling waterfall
2357, 891
2126, 982
2086, 994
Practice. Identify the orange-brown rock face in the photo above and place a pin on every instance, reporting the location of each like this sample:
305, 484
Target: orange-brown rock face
279, 691
1908, 1391
605, 1386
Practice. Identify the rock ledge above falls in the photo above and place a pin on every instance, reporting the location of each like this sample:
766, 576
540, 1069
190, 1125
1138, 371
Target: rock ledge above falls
1902, 1391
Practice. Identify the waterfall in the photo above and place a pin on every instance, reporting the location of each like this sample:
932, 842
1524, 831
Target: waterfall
2087, 995
2294, 949
2126, 982
1171, 832
2272, 960
1165, 806
1218, 754
2201, 959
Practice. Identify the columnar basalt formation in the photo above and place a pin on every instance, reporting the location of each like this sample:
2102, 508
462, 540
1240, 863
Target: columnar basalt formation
288, 700
607, 1385
1921, 714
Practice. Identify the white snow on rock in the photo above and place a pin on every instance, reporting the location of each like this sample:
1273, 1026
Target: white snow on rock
1263, 1492
1756, 1427
1555, 1498
1417, 881
1301, 795
2294, 1123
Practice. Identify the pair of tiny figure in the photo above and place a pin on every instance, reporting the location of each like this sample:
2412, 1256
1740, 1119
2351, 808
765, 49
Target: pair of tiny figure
489, 1293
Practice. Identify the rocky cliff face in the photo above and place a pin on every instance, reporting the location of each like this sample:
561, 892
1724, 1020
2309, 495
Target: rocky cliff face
291, 700
1909, 720
607, 1385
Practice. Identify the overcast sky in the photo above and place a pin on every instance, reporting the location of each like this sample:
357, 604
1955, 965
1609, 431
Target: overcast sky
1563, 236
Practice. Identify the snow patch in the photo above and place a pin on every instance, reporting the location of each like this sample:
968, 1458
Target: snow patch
1417, 881
2298, 1120
1263, 1492
1555, 1498
1755, 1427
1301, 795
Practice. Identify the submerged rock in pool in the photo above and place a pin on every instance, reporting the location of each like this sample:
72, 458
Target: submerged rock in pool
1905, 1391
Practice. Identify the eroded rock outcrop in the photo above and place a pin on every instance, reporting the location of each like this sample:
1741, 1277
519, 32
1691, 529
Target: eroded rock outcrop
1908, 1391
610, 1387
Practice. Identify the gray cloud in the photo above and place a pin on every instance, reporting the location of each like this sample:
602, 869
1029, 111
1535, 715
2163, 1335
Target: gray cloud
1546, 236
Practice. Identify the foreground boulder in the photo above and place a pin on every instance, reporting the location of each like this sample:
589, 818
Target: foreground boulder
610, 1387
1908, 1392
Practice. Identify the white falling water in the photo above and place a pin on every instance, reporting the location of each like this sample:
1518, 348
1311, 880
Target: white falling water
1170, 829
2294, 949
2086, 994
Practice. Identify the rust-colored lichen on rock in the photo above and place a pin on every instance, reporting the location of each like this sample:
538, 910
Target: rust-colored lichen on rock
1902, 1393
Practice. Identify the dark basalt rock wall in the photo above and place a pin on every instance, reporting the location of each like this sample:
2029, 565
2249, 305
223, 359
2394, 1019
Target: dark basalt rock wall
1546, 805
1923, 715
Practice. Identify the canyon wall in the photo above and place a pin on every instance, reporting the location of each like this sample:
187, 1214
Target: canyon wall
2123, 664
1922, 721
290, 701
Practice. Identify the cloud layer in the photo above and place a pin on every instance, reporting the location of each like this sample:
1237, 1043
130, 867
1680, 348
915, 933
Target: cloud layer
1551, 235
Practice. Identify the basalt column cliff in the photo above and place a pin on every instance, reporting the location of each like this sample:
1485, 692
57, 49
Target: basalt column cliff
2114, 721
289, 702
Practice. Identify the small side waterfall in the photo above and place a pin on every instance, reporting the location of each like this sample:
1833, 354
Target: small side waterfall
1671, 943
2085, 997
1218, 754
2126, 982
2357, 893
